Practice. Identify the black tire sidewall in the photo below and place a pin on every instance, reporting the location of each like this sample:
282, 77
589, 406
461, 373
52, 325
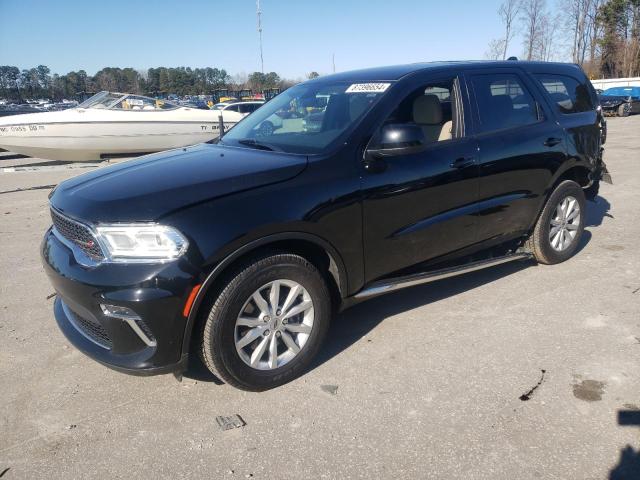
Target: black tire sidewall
225, 355
563, 190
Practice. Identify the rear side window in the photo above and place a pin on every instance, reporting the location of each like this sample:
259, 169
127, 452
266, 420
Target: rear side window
567, 93
503, 102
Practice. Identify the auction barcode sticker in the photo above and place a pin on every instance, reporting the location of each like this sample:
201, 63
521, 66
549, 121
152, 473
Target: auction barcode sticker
367, 88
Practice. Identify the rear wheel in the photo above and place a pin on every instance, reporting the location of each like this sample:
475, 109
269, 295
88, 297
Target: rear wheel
268, 322
559, 229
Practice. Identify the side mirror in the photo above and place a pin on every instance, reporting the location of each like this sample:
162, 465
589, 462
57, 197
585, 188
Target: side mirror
399, 139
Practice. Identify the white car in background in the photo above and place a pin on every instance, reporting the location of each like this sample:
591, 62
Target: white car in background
244, 108
267, 127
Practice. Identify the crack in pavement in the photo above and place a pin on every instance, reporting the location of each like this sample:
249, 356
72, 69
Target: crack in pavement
39, 187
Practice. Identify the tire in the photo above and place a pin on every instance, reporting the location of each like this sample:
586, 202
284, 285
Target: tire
224, 331
624, 110
549, 249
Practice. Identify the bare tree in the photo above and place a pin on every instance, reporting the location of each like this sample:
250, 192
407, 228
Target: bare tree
547, 40
596, 31
532, 14
508, 13
583, 28
495, 50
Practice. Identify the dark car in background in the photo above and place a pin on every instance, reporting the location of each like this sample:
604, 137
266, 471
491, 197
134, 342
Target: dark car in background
241, 252
620, 101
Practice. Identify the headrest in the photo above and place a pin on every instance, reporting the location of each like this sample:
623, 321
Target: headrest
427, 110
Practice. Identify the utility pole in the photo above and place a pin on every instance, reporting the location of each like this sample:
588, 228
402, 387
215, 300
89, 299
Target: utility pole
259, 14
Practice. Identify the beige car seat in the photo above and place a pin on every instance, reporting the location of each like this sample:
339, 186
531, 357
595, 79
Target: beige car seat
427, 112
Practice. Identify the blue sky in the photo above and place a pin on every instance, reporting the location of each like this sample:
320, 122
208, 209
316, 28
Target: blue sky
298, 35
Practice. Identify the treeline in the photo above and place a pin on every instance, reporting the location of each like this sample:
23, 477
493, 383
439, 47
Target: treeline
601, 35
38, 82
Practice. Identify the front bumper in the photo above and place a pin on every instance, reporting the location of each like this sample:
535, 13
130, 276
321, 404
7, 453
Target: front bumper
148, 345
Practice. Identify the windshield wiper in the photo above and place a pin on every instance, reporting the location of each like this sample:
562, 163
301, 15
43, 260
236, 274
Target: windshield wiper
250, 142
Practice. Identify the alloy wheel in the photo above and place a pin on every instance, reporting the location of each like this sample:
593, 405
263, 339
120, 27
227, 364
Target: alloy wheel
565, 224
274, 324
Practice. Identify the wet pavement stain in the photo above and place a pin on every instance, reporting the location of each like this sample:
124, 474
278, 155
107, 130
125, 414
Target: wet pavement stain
330, 389
589, 390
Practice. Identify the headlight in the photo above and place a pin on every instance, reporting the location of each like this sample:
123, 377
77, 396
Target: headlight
141, 242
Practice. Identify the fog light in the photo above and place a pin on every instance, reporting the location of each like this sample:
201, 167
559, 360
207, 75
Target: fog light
117, 311
129, 316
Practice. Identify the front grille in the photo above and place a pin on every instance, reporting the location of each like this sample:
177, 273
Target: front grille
91, 328
78, 234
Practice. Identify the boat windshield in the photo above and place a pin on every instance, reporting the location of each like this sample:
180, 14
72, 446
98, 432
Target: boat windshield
309, 118
122, 101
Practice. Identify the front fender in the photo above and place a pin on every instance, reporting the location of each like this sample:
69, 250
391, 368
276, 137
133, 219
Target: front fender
336, 262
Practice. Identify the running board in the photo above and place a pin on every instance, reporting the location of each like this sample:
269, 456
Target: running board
391, 284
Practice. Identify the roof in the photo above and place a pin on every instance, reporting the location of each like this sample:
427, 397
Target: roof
396, 72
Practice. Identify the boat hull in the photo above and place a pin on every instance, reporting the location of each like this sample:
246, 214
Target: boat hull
85, 139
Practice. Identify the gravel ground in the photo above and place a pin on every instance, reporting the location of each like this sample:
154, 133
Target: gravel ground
429, 382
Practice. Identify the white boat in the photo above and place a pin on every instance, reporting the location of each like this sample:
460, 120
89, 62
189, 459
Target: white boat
110, 125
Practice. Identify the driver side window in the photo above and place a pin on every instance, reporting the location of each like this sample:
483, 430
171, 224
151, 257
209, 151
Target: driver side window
434, 108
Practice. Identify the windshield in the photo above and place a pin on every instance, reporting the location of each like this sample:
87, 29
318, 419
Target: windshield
307, 118
121, 101
622, 92
101, 100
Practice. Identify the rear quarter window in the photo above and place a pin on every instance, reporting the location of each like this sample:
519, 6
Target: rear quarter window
567, 94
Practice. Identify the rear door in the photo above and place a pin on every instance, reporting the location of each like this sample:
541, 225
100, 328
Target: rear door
520, 146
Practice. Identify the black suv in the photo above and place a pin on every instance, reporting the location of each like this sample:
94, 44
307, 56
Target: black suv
242, 251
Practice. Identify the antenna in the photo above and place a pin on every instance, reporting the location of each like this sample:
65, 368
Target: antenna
259, 15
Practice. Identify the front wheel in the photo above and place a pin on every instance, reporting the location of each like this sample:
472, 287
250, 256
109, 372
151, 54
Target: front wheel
557, 233
268, 322
624, 110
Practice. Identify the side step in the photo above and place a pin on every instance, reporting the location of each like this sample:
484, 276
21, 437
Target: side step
391, 284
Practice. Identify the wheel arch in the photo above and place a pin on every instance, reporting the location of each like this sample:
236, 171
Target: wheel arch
315, 249
578, 172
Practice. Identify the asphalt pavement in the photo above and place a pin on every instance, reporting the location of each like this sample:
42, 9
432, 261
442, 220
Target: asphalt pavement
517, 372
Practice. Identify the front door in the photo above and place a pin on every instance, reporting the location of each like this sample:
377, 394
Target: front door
420, 206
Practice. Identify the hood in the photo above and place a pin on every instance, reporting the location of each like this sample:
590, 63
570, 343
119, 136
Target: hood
155, 185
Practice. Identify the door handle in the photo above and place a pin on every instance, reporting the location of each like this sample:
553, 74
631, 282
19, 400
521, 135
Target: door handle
463, 162
552, 142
